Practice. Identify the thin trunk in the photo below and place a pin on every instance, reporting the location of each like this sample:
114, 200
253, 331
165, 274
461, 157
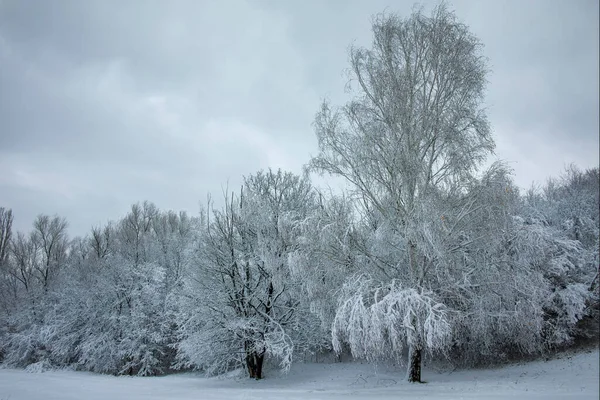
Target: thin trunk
412, 257
414, 364
414, 353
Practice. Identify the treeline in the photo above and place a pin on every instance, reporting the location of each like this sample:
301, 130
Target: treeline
280, 267
427, 254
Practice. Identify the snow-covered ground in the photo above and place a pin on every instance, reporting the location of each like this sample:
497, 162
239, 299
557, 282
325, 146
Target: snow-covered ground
571, 376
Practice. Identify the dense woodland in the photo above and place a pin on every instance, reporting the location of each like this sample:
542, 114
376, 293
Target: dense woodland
428, 255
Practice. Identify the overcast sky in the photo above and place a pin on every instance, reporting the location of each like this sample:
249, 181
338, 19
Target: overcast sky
105, 103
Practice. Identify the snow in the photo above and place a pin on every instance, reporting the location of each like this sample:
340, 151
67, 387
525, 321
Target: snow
570, 376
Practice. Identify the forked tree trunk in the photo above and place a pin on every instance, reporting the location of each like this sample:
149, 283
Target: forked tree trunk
414, 364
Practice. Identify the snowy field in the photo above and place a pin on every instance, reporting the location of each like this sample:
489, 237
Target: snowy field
571, 376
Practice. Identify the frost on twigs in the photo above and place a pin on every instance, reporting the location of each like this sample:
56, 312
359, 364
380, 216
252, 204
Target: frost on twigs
378, 321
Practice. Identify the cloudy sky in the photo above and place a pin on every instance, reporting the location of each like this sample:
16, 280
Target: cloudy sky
104, 103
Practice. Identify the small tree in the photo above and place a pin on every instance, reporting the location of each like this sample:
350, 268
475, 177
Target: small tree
413, 133
245, 306
50, 234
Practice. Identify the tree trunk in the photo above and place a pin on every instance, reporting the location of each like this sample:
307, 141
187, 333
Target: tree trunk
259, 365
254, 364
414, 364
250, 364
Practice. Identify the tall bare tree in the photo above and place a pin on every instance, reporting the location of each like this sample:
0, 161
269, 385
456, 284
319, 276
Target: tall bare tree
50, 235
6, 220
7, 283
414, 131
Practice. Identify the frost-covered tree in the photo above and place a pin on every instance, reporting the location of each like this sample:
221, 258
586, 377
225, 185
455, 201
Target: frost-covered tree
243, 303
565, 213
38, 257
113, 308
34, 270
8, 285
494, 295
412, 135
176, 237
326, 254
276, 203
139, 264
50, 235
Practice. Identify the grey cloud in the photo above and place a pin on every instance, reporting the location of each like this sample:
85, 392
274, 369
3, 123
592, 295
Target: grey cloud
224, 57
131, 103
104, 103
